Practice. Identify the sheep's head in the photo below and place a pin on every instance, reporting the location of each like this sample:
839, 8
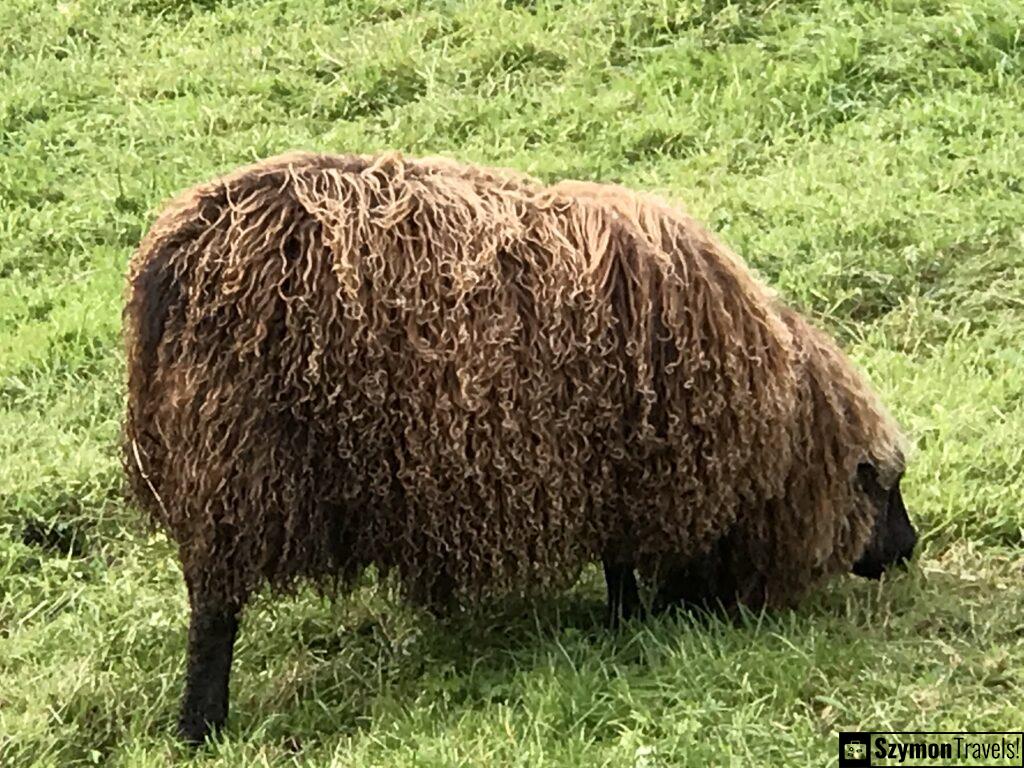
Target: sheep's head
893, 538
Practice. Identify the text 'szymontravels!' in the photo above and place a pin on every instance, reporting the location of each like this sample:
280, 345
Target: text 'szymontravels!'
918, 749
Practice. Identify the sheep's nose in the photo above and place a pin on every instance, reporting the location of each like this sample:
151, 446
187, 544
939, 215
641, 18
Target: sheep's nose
908, 549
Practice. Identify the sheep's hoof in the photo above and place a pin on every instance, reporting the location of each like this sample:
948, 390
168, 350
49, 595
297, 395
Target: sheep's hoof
193, 729
611, 620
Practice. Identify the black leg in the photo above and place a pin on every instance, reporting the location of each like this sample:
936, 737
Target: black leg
441, 597
211, 640
623, 594
703, 583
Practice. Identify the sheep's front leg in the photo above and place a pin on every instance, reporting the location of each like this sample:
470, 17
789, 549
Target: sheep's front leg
623, 594
211, 640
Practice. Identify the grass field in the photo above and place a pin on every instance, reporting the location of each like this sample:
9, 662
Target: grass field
866, 157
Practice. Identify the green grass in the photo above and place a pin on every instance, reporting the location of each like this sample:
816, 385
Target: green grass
865, 157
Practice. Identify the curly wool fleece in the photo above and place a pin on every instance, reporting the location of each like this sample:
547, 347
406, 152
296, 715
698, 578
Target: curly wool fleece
478, 382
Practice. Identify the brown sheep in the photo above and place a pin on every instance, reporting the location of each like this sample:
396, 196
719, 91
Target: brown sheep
479, 384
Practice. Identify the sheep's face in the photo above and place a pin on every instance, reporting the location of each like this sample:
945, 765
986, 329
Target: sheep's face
893, 537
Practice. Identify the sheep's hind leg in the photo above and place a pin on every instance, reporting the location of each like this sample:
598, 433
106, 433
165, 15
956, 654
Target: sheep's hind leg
211, 640
623, 594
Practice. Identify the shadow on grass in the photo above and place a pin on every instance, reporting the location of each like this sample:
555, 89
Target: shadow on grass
369, 658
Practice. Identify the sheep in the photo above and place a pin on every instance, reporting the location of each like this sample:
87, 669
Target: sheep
480, 385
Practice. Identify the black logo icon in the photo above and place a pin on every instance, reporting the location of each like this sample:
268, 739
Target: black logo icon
854, 750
